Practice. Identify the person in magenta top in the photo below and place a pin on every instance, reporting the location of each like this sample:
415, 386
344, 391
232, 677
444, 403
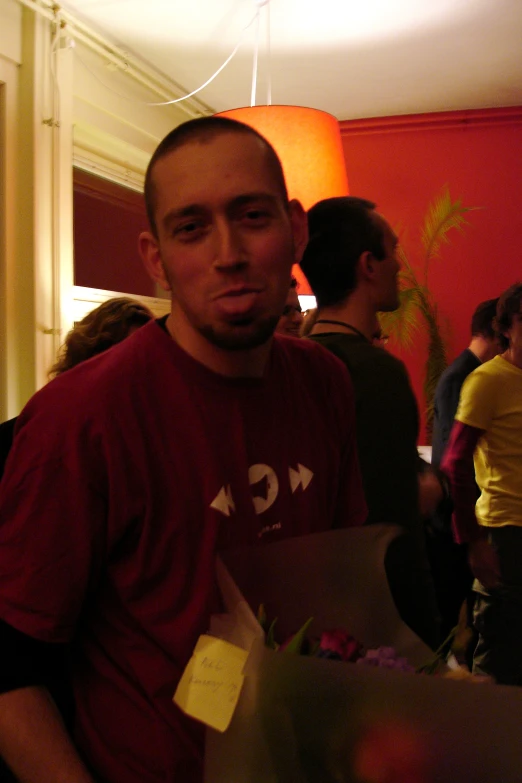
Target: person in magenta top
200, 432
486, 443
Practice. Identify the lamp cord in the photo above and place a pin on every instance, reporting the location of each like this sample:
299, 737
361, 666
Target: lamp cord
255, 63
175, 100
269, 58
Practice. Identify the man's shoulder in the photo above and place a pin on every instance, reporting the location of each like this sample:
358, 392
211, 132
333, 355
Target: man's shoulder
359, 354
491, 373
308, 352
109, 375
465, 363
486, 380
305, 364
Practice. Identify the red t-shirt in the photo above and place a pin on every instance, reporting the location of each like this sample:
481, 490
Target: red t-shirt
127, 474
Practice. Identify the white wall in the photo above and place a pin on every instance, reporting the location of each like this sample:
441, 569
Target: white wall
11, 31
10, 57
68, 103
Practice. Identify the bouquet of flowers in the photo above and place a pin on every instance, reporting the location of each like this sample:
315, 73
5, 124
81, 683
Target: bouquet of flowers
334, 645
305, 717
339, 645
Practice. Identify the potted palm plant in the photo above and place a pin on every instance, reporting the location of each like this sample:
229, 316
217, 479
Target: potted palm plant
418, 308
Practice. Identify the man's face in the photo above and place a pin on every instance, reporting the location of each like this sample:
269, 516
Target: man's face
226, 242
292, 318
387, 270
514, 333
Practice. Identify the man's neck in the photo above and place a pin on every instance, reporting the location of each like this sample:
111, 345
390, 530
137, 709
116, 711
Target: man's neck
354, 313
483, 349
513, 356
248, 363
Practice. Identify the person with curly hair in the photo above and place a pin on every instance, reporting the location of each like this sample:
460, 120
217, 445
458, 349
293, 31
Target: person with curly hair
105, 326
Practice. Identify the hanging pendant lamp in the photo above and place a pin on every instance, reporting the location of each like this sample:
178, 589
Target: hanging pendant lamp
308, 143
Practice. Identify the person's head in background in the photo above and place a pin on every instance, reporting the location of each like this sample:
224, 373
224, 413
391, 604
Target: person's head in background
508, 323
309, 319
292, 318
103, 327
484, 342
351, 254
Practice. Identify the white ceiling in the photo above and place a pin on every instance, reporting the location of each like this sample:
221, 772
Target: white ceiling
353, 58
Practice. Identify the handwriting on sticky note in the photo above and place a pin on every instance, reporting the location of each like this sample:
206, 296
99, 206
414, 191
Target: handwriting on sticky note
210, 686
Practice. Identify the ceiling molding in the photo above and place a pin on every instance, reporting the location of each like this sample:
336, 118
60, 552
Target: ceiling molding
434, 121
130, 64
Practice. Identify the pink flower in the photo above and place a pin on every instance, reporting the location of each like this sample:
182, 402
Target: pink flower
387, 658
339, 644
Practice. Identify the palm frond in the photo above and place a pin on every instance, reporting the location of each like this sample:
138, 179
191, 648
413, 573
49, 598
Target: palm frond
407, 276
417, 307
442, 216
435, 365
402, 324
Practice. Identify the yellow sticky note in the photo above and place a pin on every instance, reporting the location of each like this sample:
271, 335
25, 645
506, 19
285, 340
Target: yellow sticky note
210, 686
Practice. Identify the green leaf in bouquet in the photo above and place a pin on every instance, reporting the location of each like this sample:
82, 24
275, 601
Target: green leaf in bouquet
295, 645
261, 617
439, 656
270, 636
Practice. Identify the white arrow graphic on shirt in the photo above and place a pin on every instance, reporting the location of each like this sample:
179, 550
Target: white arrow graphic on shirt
224, 501
267, 493
301, 476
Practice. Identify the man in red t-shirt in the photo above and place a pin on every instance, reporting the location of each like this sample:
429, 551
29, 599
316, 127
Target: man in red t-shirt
129, 472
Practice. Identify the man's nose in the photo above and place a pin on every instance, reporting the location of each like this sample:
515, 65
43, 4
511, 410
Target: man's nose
229, 250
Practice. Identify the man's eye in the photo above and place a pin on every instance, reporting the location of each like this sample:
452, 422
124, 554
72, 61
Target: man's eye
188, 230
256, 216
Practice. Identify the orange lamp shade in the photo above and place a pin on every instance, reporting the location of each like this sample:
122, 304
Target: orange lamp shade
309, 145
308, 142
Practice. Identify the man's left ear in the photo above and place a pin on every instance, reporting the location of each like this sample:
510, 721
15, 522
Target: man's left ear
366, 265
299, 223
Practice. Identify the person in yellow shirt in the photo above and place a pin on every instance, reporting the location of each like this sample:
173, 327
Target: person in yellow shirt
486, 442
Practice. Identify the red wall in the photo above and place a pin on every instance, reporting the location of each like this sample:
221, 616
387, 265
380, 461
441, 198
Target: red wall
108, 219
403, 162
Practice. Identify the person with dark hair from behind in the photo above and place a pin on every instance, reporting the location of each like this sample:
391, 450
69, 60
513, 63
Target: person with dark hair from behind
449, 562
193, 435
292, 317
484, 346
485, 447
352, 267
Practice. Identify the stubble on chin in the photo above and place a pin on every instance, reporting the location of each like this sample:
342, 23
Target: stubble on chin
240, 336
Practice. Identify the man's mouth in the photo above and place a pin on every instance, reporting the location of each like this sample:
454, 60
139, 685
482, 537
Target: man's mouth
237, 300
